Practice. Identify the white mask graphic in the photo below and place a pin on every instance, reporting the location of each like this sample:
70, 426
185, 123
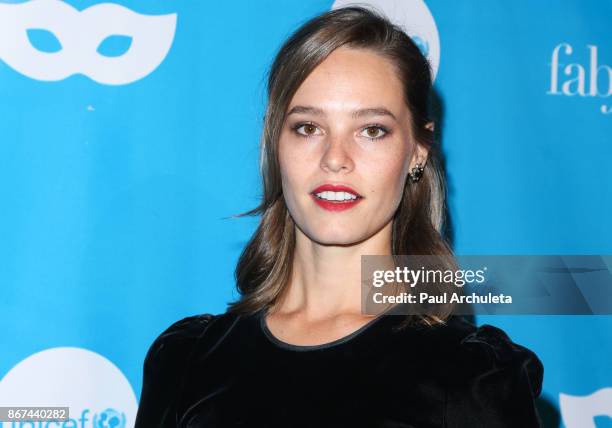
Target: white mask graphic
579, 411
80, 34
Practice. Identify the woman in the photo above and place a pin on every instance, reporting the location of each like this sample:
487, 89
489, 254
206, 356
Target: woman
349, 167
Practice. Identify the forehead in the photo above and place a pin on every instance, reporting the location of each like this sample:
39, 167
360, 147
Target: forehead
350, 78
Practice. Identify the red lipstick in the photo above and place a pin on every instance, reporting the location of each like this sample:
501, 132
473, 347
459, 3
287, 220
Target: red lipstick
335, 205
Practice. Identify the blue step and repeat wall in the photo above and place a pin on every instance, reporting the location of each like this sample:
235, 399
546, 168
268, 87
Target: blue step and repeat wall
130, 130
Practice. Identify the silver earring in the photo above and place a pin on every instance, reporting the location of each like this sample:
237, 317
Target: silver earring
416, 173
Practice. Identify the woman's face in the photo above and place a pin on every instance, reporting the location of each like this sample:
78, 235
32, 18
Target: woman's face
348, 125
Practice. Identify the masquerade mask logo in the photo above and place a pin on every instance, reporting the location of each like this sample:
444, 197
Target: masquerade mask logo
581, 411
80, 35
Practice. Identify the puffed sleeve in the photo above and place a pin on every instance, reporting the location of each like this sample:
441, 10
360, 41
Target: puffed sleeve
499, 383
163, 371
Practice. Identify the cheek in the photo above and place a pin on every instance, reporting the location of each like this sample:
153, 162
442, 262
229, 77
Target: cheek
293, 169
386, 177
391, 181
286, 161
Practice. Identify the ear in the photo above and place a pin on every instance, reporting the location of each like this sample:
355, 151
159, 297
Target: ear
419, 156
421, 152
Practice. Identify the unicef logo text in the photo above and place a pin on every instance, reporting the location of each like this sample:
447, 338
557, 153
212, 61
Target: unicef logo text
102, 398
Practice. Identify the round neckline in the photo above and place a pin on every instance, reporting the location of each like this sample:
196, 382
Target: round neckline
336, 342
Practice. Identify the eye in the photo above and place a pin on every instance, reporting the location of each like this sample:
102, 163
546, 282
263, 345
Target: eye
308, 129
375, 132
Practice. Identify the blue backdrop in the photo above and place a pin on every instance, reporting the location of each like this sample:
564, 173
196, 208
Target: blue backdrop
130, 129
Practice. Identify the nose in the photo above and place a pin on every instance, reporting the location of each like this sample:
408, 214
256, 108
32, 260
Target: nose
337, 156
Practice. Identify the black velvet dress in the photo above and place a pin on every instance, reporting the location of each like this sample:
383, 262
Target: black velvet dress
230, 371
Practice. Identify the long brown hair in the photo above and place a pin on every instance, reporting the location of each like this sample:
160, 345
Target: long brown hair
264, 267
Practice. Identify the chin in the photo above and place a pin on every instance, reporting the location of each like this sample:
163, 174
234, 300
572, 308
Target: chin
336, 237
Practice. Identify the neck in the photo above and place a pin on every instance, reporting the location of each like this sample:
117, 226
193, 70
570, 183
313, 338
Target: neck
326, 279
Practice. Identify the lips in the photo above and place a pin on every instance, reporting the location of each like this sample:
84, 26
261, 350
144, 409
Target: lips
336, 188
335, 205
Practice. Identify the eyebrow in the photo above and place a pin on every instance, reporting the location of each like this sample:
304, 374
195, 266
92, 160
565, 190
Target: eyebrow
371, 111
